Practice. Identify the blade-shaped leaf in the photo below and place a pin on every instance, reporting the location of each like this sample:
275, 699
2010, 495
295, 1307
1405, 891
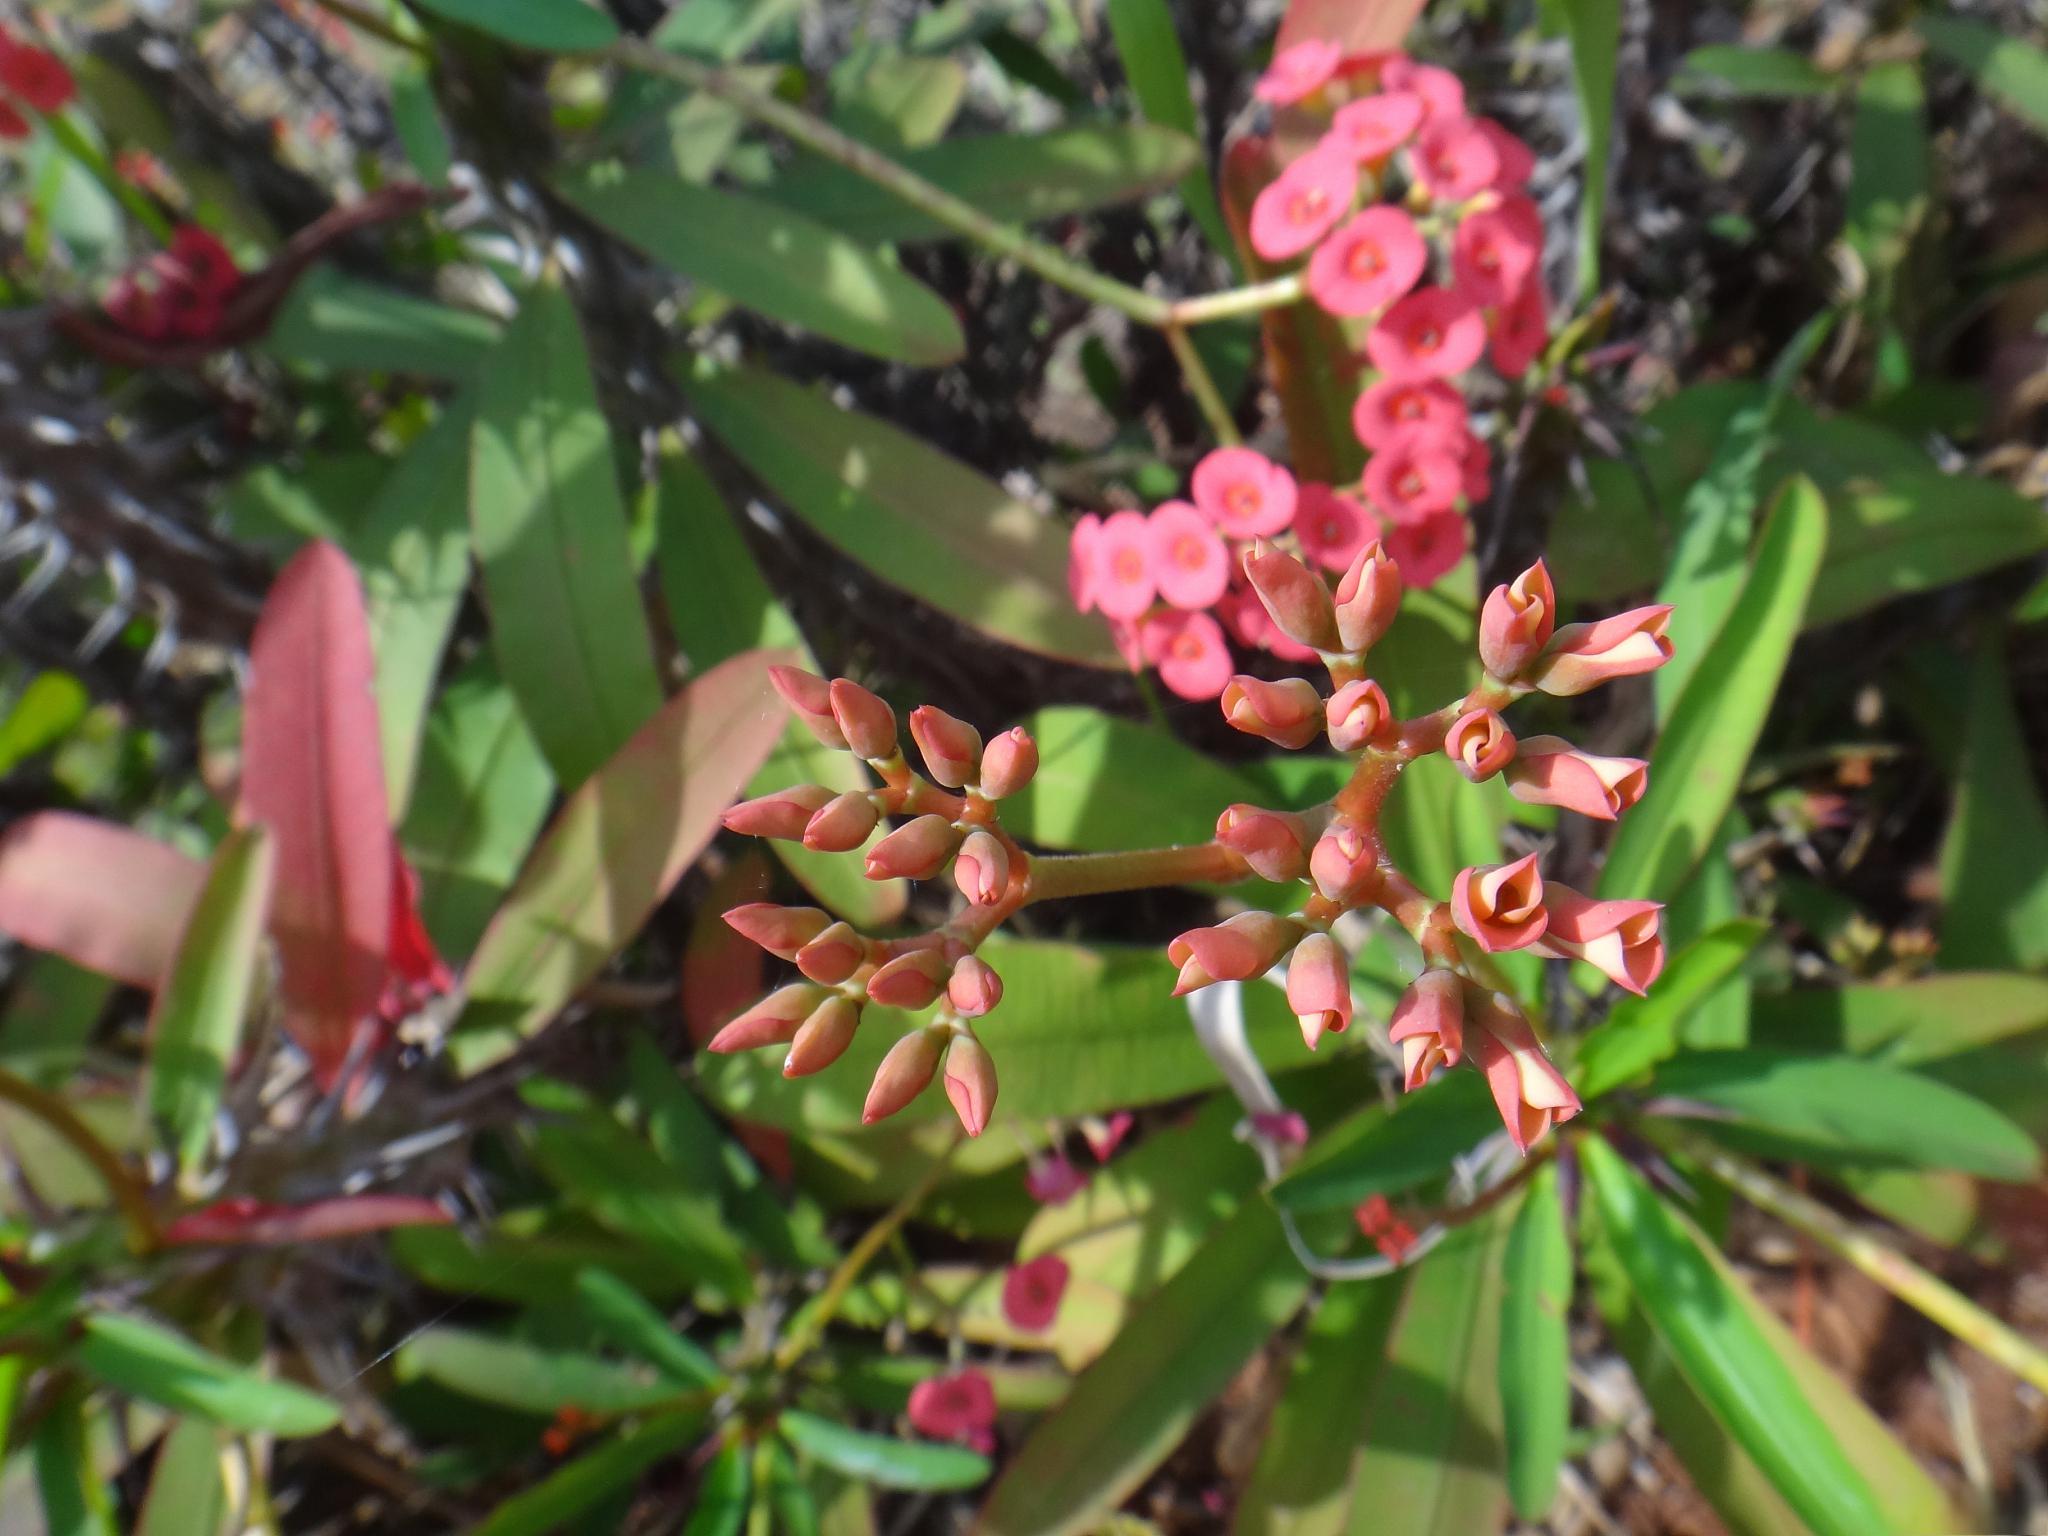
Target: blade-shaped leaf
1767, 72
1156, 68
104, 897
630, 1322
340, 322
187, 1496
551, 26
528, 1377
161, 1367
566, 621
881, 1460
1535, 1350
2007, 67
1994, 858
1912, 1021
1593, 30
73, 1496
257, 1224
557, 1499
1104, 783
1377, 1153
723, 1496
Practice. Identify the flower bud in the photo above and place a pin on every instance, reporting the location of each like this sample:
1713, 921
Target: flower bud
1429, 1025
868, 724
917, 850
909, 981
975, 988
970, 1082
982, 870
1516, 622
904, 1073
1622, 938
782, 931
1356, 715
1274, 843
1549, 770
810, 700
842, 823
1583, 656
1368, 597
1319, 988
1288, 713
1237, 949
772, 1021
784, 814
1528, 1090
1009, 763
1500, 906
1293, 595
1480, 744
833, 955
951, 747
823, 1036
1345, 861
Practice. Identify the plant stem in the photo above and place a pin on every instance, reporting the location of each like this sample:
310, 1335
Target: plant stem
1201, 384
1891, 1269
67, 136
1255, 298
63, 1120
1093, 874
376, 26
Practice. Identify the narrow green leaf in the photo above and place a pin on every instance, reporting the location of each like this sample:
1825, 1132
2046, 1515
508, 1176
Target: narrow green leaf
1640, 1032
630, 1323
1994, 856
557, 1499
1765, 72
792, 1503
1376, 1153
549, 26
1535, 1351
2007, 67
1157, 70
73, 1496
725, 1493
526, 1377
47, 710
769, 258
523, 1263
158, 1366
566, 621
895, 101
1909, 1022
1593, 30
187, 1495
1698, 764
1891, 169
882, 1461
195, 1023
52, 1012
343, 323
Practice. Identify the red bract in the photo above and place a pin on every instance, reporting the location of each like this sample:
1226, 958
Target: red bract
1455, 160
1374, 128
35, 76
1123, 583
1190, 652
1441, 93
1189, 562
1245, 494
960, 1407
1428, 549
1298, 71
1303, 203
1496, 250
1430, 334
1413, 476
1032, 1292
1367, 262
1392, 407
1331, 526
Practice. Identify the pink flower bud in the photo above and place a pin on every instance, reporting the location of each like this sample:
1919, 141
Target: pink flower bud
1622, 938
904, 1073
1549, 770
1344, 863
1516, 622
772, 1021
1429, 1025
1274, 843
1294, 596
1319, 988
868, 724
917, 850
1237, 949
951, 747
1582, 656
1357, 714
1528, 1090
1480, 744
970, 1082
833, 955
1009, 763
784, 814
982, 870
1288, 713
823, 1037
1500, 906
975, 988
781, 931
910, 981
842, 824
810, 699
1368, 597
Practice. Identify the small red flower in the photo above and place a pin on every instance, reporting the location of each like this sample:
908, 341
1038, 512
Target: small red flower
1430, 334
1495, 250
1455, 160
1053, 1180
1244, 493
1441, 93
1414, 476
35, 76
1331, 526
1394, 406
960, 1407
1124, 583
1368, 263
1375, 127
1032, 1292
1429, 550
1300, 205
1190, 652
1521, 331
1189, 562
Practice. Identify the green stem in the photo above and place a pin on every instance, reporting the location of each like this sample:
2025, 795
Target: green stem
126, 1189
1255, 298
1886, 1265
1202, 385
71, 139
376, 26
1093, 874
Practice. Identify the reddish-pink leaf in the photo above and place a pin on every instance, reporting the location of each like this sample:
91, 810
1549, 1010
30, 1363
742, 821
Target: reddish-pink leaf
1357, 26
313, 773
257, 1223
100, 894
723, 974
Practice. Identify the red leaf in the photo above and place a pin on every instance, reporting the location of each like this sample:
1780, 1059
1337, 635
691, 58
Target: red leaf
1357, 26
416, 970
257, 1223
722, 973
313, 772
100, 894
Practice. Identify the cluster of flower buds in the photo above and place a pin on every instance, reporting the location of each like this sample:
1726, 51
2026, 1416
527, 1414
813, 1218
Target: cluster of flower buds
30, 77
179, 294
949, 818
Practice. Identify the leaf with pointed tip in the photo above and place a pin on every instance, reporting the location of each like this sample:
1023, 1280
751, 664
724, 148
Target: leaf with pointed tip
1374, 1152
165, 1368
259, 1224
629, 1321
2009, 68
1535, 1351
527, 1377
553, 1503
1639, 1032
1911, 1021
882, 1460
187, 1496
103, 896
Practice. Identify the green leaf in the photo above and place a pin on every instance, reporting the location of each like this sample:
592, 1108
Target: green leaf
880, 1460
1106, 784
1766, 72
1698, 763
1994, 856
2004, 66
725, 1493
1593, 30
895, 101
345, 324
794, 1506
1640, 1032
1842, 1107
1156, 69
1911, 1021
573, 1488
1129, 1409
522, 1263
158, 1366
914, 516
195, 1023
526, 1377
1020, 178
47, 710
1535, 1350
630, 1323
616, 849
187, 1496
1890, 169
566, 621
73, 1497
768, 258
1375, 1153
548, 26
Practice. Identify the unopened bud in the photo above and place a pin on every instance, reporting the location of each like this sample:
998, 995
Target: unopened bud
909, 981
1357, 715
1344, 863
970, 1082
1480, 744
868, 724
784, 814
1368, 597
1288, 713
823, 1037
982, 869
810, 700
842, 823
904, 1073
1274, 843
1516, 622
1583, 656
1294, 596
1009, 763
917, 850
833, 955
951, 747
772, 1021
1236, 949
975, 988
1319, 988
781, 931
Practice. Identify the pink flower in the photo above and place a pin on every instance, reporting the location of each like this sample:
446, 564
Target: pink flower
1375, 127
1299, 206
772, 1021
14, 126
835, 954
1236, 949
1274, 843
1474, 460
1104, 1138
1357, 713
982, 868
1331, 526
1124, 578
1583, 656
1343, 862
781, 931
1551, 771
823, 1037
1189, 561
1521, 330
1480, 744
1190, 652
951, 748
1517, 161
1429, 1025
974, 988
842, 824
1370, 261
1622, 938
1129, 643
960, 1407
917, 850
1053, 1180
1430, 334
911, 981
1516, 622
1082, 554
1008, 763
1319, 988
1413, 476
1495, 250
1428, 550
1500, 906
1392, 407
1441, 93
1032, 1292
1243, 492
783, 814
1299, 71
1454, 160
1288, 713
1528, 1090
867, 723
